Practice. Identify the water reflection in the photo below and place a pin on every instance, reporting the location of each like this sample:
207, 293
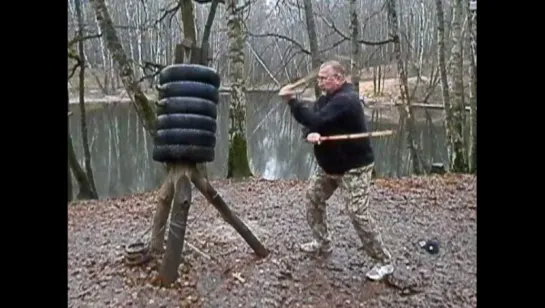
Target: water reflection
121, 149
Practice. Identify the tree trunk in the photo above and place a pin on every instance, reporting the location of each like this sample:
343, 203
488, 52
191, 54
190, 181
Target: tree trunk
162, 210
472, 26
238, 155
83, 120
313, 39
168, 273
459, 157
405, 111
85, 189
441, 50
205, 43
454, 108
70, 193
196, 55
142, 105
355, 59
187, 15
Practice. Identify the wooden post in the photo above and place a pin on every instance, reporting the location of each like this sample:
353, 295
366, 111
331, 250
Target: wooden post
179, 53
166, 194
217, 201
183, 174
177, 186
178, 174
173, 189
167, 190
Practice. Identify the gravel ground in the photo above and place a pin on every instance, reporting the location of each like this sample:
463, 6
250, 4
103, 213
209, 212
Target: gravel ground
407, 210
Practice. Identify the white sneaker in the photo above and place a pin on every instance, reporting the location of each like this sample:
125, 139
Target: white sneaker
314, 246
379, 271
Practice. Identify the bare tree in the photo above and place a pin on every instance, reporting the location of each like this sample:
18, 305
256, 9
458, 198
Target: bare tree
405, 105
455, 107
472, 25
85, 190
458, 157
142, 105
147, 31
84, 177
355, 56
85, 187
238, 154
313, 39
83, 119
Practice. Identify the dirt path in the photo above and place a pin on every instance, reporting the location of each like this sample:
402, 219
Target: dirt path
407, 210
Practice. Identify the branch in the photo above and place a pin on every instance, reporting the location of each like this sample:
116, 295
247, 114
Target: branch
334, 45
147, 24
72, 54
365, 22
77, 39
338, 31
241, 8
294, 42
260, 61
209, 22
168, 12
73, 71
150, 66
364, 42
280, 36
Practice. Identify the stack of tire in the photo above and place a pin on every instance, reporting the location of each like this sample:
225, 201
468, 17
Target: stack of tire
186, 114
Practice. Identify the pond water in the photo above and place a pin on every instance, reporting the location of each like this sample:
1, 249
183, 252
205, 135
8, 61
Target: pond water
121, 149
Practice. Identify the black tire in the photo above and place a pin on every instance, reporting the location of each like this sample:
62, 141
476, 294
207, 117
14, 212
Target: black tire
203, 1
189, 72
187, 121
187, 104
189, 88
180, 152
182, 136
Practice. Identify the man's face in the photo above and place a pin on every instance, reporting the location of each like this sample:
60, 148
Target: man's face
328, 80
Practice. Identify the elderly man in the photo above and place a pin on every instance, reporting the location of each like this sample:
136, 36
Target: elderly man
345, 163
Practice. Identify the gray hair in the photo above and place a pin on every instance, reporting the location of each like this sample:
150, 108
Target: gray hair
336, 66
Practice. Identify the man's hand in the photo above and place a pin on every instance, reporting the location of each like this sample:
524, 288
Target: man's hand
287, 93
313, 138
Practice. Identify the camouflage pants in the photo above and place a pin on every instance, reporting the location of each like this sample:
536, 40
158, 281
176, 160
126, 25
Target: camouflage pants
355, 186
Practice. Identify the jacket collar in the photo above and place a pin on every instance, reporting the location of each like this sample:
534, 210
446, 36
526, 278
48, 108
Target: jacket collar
343, 88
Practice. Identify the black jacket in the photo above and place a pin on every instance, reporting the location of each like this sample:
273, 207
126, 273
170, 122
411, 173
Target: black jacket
335, 114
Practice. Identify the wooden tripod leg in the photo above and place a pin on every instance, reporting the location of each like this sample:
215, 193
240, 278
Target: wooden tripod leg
176, 235
215, 199
160, 217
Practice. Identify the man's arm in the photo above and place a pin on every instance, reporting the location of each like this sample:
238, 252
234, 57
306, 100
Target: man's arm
314, 120
304, 104
297, 108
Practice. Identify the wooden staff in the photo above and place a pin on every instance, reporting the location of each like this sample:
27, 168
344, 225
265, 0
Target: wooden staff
291, 86
356, 136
